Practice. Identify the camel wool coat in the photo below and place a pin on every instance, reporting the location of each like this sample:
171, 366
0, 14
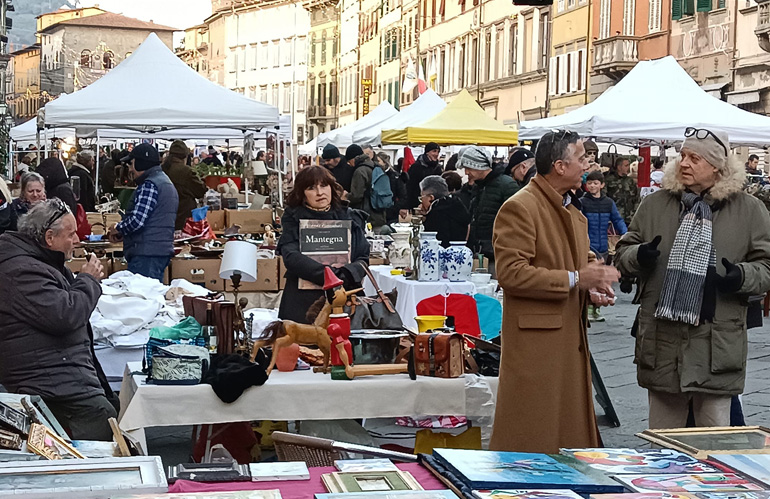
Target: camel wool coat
544, 400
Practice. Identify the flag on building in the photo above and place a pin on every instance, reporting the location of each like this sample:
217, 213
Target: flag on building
410, 78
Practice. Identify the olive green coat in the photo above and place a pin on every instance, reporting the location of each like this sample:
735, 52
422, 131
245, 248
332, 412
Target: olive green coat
711, 358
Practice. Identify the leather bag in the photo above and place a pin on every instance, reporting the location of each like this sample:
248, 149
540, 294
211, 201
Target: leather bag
374, 312
439, 355
608, 158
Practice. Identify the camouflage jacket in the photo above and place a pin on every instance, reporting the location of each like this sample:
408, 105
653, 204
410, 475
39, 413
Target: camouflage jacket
625, 193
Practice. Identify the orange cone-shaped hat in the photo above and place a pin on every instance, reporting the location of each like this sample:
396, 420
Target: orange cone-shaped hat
331, 281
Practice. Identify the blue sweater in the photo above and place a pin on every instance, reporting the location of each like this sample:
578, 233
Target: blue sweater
600, 212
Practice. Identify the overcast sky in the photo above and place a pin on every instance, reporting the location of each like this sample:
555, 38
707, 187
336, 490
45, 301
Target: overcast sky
178, 14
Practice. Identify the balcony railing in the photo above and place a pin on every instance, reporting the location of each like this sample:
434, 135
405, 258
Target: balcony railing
763, 24
615, 54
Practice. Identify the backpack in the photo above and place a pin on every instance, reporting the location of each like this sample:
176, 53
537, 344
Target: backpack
381, 195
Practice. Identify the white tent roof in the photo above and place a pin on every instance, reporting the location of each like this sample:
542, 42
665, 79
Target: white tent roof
655, 101
342, 137
154, 89
421, 110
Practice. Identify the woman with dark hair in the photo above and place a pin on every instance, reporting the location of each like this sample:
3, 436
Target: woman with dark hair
57, 183
316, 196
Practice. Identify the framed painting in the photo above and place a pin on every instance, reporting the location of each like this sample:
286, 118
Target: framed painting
702, 442
707, 482
393, 494
526, 494
367, 481
82, 478
44, 442
755, 466
639, 461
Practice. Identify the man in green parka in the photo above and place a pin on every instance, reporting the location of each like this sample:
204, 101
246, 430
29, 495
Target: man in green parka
700, 247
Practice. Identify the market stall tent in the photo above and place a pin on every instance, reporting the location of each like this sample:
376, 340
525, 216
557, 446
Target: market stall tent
655, 101
343, 137
424, 108
461, 122
154, 90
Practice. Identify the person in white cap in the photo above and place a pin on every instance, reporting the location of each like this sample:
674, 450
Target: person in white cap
699, 247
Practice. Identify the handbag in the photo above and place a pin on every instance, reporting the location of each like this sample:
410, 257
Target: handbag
153, 345
179, 365
608, 158
439, 354
374, 312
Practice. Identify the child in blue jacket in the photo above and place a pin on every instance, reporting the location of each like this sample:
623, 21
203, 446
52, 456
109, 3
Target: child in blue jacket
600, 211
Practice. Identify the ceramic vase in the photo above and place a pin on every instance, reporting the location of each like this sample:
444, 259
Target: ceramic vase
459, 261
400, 252
430, 257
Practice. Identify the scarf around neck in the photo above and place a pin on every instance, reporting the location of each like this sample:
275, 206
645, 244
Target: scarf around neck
692, 258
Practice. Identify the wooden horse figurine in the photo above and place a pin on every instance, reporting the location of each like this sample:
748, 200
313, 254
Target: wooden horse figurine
283, 333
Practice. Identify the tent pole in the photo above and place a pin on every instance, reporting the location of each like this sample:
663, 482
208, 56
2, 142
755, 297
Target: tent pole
96, 166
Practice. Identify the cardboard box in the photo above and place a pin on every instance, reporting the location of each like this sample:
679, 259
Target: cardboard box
251, 221
281, 274
376, 261
202, 271
216, 220
119, 264
267, 277
97, 221
77, 263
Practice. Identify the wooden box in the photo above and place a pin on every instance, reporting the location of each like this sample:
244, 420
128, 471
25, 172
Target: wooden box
77, 263
97, 221
202, 271
216, 220
251, 221
267, 277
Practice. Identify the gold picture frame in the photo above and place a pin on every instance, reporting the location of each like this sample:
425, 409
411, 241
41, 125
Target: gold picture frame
701, 442
369, 481
44, 442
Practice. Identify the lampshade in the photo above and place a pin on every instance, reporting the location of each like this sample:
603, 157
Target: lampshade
259, 167
239, 257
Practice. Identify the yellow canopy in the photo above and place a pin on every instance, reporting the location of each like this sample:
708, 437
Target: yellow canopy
462, 122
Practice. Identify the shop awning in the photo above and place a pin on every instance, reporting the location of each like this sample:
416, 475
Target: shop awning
462, 122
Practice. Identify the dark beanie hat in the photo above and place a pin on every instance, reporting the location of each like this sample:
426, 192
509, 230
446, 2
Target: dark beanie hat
432, 146
179, 149
330, 152
353, 151
517, 157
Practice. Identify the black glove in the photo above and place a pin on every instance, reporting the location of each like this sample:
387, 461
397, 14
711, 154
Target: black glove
648, 253
626, 284
732, 281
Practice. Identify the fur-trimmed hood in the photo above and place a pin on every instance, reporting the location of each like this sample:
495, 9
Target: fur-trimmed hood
726, 185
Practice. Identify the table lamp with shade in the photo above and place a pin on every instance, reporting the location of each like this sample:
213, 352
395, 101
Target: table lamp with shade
239, 263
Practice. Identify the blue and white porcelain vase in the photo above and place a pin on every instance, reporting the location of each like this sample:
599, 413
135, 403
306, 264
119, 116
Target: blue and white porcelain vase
459, 261
430, 257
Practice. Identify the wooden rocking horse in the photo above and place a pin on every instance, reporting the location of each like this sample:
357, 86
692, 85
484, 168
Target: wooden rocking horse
281, 334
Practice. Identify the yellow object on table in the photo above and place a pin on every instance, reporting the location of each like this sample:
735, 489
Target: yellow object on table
396, 272
427, 440
427, 322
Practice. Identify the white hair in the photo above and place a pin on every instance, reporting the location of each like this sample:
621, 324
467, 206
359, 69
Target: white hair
37, 221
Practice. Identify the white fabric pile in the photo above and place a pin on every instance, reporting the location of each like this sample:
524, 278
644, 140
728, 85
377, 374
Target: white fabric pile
132, 304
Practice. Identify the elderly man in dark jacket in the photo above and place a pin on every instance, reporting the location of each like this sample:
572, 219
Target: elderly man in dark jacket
188, 186
46, 343
491, 188
426, 164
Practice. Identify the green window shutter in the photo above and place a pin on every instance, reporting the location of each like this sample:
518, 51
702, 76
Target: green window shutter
720, 4
688, 7
704, 5
676, 9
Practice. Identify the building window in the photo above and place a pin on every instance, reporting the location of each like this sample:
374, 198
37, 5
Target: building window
263, 94
560, 6
286, 98
704, 5
488, 57
629, 7
312, 49
323, 47
287, 52
604, 18
108, 60
274, 96
85, 58
514, 32
275, 53
654, 21
263, 55
253, 58
461, 75
242, 59
253, 93
233, 63
474, 62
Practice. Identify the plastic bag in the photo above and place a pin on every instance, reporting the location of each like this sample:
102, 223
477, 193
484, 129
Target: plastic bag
185, 329
199, 214
201, 228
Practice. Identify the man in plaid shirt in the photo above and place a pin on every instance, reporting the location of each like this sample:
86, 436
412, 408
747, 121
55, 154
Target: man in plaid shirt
147, 229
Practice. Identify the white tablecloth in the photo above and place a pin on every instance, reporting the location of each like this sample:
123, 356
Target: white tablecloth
410, 293
304, 395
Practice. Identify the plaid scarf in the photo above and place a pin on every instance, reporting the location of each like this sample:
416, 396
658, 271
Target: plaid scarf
691, 258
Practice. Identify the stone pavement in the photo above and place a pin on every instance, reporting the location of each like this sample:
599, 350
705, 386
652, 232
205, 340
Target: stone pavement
613, 350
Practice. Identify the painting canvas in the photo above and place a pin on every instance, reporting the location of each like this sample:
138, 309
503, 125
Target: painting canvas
526, 494
518, 470
709, 482
701, 442
365, 465
762, 494
756, 466
645, 495
639, 461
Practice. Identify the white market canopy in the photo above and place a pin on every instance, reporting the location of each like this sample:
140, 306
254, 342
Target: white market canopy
154, 90
655, 101
343, 137
427, 105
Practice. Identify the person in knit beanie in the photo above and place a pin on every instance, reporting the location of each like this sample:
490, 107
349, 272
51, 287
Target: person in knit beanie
698, 246
491, 188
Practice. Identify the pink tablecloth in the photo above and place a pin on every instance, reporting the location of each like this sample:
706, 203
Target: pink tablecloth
300, 489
